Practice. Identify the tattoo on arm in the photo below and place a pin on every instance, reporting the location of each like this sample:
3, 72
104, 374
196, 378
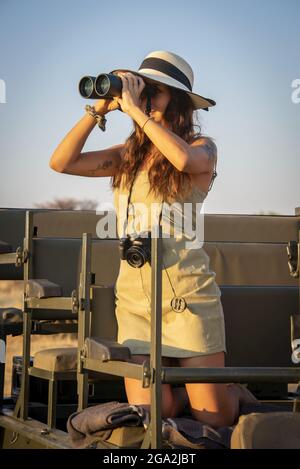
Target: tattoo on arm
106, 164
211, 149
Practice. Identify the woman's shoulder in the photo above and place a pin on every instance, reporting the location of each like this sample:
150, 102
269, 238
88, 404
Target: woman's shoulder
207, 143
201, 138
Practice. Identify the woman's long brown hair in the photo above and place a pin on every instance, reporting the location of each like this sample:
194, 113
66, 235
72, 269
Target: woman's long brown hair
165, 180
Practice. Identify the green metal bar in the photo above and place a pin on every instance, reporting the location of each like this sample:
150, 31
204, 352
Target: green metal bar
17, 408
24, 392
28, 273
298, 264
55, 375
147, 439
44, 328
84, 318
296, 407
34, 432
8, 258
156, 334
182, 375
52, 401
2, 370
114, 367
57, 302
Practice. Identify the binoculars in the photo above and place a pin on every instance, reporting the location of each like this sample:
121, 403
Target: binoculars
108, 85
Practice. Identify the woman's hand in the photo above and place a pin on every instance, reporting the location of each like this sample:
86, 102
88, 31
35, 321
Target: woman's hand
103, 106
132, 87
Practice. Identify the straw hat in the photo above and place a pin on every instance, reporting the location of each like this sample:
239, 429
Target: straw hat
170, 69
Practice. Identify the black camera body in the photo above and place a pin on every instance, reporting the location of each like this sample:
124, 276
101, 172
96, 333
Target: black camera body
136, 250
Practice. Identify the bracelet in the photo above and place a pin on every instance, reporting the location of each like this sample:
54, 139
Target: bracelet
146, 122
101, 120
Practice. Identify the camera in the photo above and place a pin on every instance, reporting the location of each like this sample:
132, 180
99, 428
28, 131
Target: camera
136, 250
108, 85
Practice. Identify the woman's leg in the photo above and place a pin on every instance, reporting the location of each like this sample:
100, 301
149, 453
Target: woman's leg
173, 400
211, 403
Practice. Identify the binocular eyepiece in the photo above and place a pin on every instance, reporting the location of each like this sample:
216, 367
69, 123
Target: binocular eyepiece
107, 85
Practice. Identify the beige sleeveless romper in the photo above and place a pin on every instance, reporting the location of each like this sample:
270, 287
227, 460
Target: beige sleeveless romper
199, 329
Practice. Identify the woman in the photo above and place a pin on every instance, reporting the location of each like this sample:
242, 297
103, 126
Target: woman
163, 161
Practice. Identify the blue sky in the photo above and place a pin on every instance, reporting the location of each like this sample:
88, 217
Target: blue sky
245, 55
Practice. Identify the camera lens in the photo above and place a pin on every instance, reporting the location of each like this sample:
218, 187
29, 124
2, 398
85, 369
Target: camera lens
137, 256
86, 86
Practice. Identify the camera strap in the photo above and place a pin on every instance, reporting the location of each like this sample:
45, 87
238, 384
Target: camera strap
178, 303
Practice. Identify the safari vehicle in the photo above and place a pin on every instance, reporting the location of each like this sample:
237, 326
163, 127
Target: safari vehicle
69, 276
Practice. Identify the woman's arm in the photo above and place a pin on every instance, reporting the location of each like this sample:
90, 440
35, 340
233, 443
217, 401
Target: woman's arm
187, 158
173, 147
67, 157
101, 163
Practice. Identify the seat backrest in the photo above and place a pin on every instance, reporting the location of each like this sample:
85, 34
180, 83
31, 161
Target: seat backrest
52, 223
57, 244
66, 223
105, 261
251, 228
12, 229
12, 226
56, 259
248, 255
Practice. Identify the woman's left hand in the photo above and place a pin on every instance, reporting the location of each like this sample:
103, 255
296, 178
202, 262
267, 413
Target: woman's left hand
132, 87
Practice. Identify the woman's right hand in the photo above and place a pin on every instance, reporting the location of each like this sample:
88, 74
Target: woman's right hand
103, 106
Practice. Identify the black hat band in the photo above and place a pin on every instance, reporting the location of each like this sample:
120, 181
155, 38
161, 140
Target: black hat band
168, 69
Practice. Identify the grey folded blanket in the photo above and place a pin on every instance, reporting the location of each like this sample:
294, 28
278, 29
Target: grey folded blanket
181, 432
96, 423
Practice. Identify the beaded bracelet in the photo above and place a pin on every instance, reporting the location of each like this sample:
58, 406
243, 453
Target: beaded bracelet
101, 120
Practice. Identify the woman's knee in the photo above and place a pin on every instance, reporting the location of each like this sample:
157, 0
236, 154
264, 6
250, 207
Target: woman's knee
137, 395
215, 419
212, 403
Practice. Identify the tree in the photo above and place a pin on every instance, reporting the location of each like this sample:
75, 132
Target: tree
268, 212
69, 204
